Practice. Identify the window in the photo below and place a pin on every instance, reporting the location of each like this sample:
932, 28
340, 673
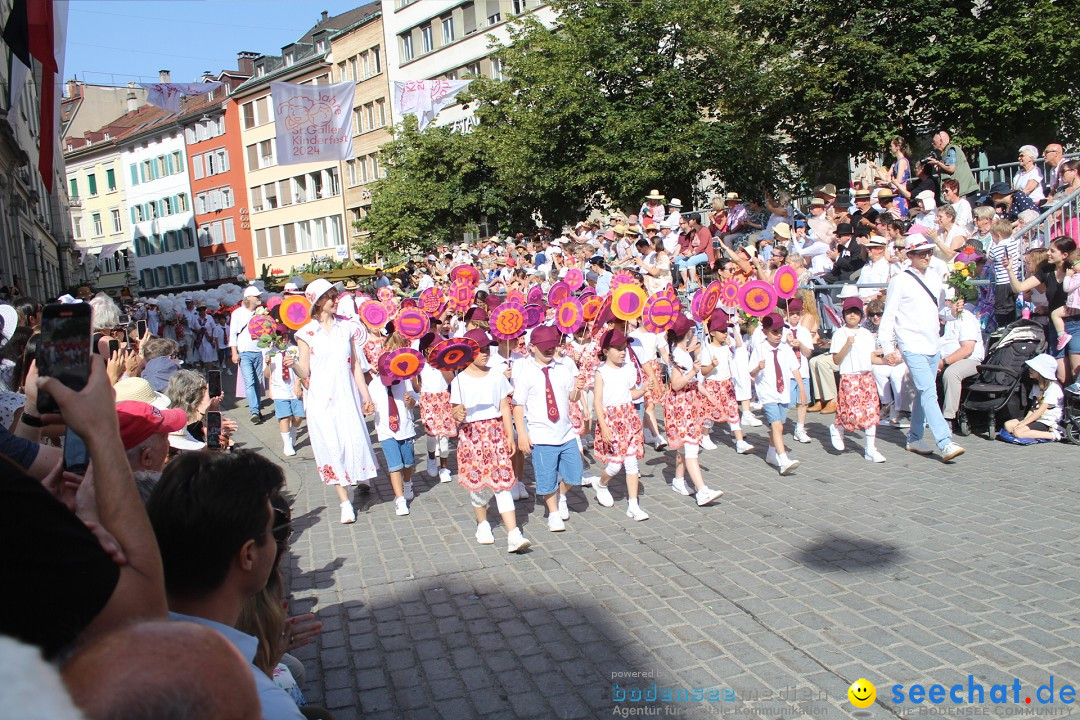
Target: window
177, 163
376, 60
249, 115
406, 47
91, 184
358, 122
74, 182
353, 177
76, 227
468, 18
363, 163
447, 30
98, 231
496, 68
342, 74
353, 66
427, 38
217, 162
376, 171
369, 116
110, 179
365, 64
380, 112
519, 6
266, 154
494, 19
146, 279
116, 225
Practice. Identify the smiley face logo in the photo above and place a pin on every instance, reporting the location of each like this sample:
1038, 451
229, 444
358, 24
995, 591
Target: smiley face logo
862, 693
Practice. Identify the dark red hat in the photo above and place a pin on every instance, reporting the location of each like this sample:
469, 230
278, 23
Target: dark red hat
772, 321
794, 305
613, 338
682, 325
476, 314
718, 322
852, 303
481, 337
545, 337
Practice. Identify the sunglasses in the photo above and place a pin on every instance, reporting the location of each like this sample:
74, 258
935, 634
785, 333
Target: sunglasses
876, 314
282, 529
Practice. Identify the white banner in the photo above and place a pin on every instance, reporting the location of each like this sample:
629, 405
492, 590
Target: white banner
167, 95
425, 98
313, 122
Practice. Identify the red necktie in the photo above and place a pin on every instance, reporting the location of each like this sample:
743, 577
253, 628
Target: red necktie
637, 365
285, 375
395, 419
549, 396
779, 372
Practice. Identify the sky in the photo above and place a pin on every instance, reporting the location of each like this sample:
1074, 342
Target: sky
112, 42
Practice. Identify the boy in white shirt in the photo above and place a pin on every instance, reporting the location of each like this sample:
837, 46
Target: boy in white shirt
394, 402
774, 367
286, 392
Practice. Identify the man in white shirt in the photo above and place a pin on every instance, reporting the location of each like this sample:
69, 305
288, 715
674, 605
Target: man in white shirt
909, 333
961, 352
245, 351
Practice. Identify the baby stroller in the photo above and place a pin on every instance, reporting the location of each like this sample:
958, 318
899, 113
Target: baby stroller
998, 389
1070, 420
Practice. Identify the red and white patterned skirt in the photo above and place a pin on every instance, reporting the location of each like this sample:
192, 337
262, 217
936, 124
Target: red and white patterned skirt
857, 404
578, 416
372, 351
719, 401
683, 416
625, 426
654, 393
483, 456
435, 414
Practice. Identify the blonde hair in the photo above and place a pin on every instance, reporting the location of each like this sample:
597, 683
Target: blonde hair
263, 616
1001, 229
809, 308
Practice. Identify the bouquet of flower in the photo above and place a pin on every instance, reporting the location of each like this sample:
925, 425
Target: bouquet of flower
960, 276
267, 332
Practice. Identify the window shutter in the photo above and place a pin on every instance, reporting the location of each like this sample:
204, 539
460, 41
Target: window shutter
225, 160
132, 211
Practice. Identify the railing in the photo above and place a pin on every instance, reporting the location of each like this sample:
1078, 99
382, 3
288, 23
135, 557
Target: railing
987, 175
1061, 218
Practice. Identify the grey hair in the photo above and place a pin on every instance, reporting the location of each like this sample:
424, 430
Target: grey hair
1031, 151
159, 347
185, 391
947, 210
985, 212
106, 313
145, 482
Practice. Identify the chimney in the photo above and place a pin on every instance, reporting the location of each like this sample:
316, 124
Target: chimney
325, 17
164, 76
132, 101
72, 88
207, 76
245, 62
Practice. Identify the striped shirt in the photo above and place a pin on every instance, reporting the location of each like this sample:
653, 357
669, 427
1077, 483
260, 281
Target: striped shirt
995, 253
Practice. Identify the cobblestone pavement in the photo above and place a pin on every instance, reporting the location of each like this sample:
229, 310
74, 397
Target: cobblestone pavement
778, 597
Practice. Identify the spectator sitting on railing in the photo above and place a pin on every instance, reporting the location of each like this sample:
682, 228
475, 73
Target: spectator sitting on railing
1009, 202
1028, 177
1054, 155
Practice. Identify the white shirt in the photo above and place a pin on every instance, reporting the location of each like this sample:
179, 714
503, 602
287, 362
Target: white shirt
1055, 398
499, 363
964, 219
481, 396
644, 344
721, 354
685, 362
346, 306
911, 315
618, 382
281, 389
962, 329
804, 337
424, 283
858, 358
874, 273
239, 337
765, 382
432, 380
671, 242
1021, 179
529, 392
380, 395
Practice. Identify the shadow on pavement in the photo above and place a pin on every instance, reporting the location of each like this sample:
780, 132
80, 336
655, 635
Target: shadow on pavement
837, 552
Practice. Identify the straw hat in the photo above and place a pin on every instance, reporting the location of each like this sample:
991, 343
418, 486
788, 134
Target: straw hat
654, 195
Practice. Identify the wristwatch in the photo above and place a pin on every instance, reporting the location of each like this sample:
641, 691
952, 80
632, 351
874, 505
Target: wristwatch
31, 420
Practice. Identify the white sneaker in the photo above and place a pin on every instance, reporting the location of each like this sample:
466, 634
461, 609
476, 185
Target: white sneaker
707, 443
408, 491
348, 515
289, 450
445, 476
952, 450
749, 420
590, 480
635, 512
661, 443
920, 448
755, 406
555, 523
874, 456
603, 495
770, 457
401, 506
706, 496
564, 511
679, 486
432, 468
484, 536
801, 436
787, 466
516, 542
836, 437
742, 447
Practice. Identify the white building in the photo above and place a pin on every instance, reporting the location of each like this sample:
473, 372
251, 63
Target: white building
449, 39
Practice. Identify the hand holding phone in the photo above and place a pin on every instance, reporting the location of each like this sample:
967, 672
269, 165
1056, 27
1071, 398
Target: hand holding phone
213, 430
64, 350
213, 381
140, 329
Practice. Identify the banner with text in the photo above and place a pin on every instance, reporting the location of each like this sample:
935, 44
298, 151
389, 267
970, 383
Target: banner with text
425, 98
313, 122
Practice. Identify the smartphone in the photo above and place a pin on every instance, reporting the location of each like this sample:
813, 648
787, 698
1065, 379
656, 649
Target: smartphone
213, 430
76, 456
213, 380
64, 349
125, 319
114, 346
140, 329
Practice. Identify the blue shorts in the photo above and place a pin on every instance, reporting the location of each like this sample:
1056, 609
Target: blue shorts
552, 461
794, 399
776, 412
288, 408
398, 453
1072, 326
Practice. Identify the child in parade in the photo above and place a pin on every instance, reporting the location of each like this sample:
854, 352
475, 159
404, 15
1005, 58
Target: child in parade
394, 426
776, 371
286, 392
433, 385
717, 389
502, 359
857, 407
802, 342
740, 370
480, 402
646, 345
619, 441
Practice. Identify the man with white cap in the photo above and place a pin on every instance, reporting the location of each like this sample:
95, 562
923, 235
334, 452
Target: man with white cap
245, 351
909, 333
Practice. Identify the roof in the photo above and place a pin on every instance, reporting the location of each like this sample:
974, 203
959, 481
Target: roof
339, 22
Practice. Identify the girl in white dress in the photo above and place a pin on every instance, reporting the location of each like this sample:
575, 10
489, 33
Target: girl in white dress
332, 363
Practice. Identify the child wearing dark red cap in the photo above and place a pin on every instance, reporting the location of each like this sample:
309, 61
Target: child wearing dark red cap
433, 385
718, 389
775, 369
857, 407
619, 439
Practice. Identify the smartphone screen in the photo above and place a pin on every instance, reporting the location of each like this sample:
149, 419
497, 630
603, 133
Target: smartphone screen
76, 456
213, 381
114, 346
140, 329
125, 319
213, 430
64, 349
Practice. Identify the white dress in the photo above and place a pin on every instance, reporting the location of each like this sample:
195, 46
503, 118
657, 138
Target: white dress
336, 426
205, 329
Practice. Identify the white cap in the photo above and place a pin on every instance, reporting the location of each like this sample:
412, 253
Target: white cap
291, 287
926, 197
918, 241
317, 288
249, 291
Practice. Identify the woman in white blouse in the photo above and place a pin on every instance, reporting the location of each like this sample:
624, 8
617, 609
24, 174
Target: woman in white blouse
1028, 178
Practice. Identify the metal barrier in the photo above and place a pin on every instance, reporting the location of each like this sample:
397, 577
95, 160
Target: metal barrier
987, 175
1061, 218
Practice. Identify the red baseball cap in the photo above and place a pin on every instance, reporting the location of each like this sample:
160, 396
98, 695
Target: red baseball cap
545, 337
481, 337
140, 420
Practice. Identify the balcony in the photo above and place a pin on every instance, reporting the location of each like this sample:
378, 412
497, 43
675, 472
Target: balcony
75, 202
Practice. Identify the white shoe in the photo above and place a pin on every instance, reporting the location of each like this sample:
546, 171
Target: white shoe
432, 468
836, 437
484, 536
920, 448
348, 515
749, 420
564, 511
289, 451
770, 457
742, 447
590, 480
801, 436
788, 466
706, 496
707, 443
555, 523
445, 476
952, 450
660, 444
679, 486
874, 456
401, 506
516, 542
755, 406
636, 513
408, 491
603, 495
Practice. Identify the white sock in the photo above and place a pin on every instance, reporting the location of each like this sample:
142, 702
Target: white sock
871, 436
516, 532
562, 497
799, 427
632, 502
680, 480
286, 439
782, 457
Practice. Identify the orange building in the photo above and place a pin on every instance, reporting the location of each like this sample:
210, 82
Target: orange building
211, 127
